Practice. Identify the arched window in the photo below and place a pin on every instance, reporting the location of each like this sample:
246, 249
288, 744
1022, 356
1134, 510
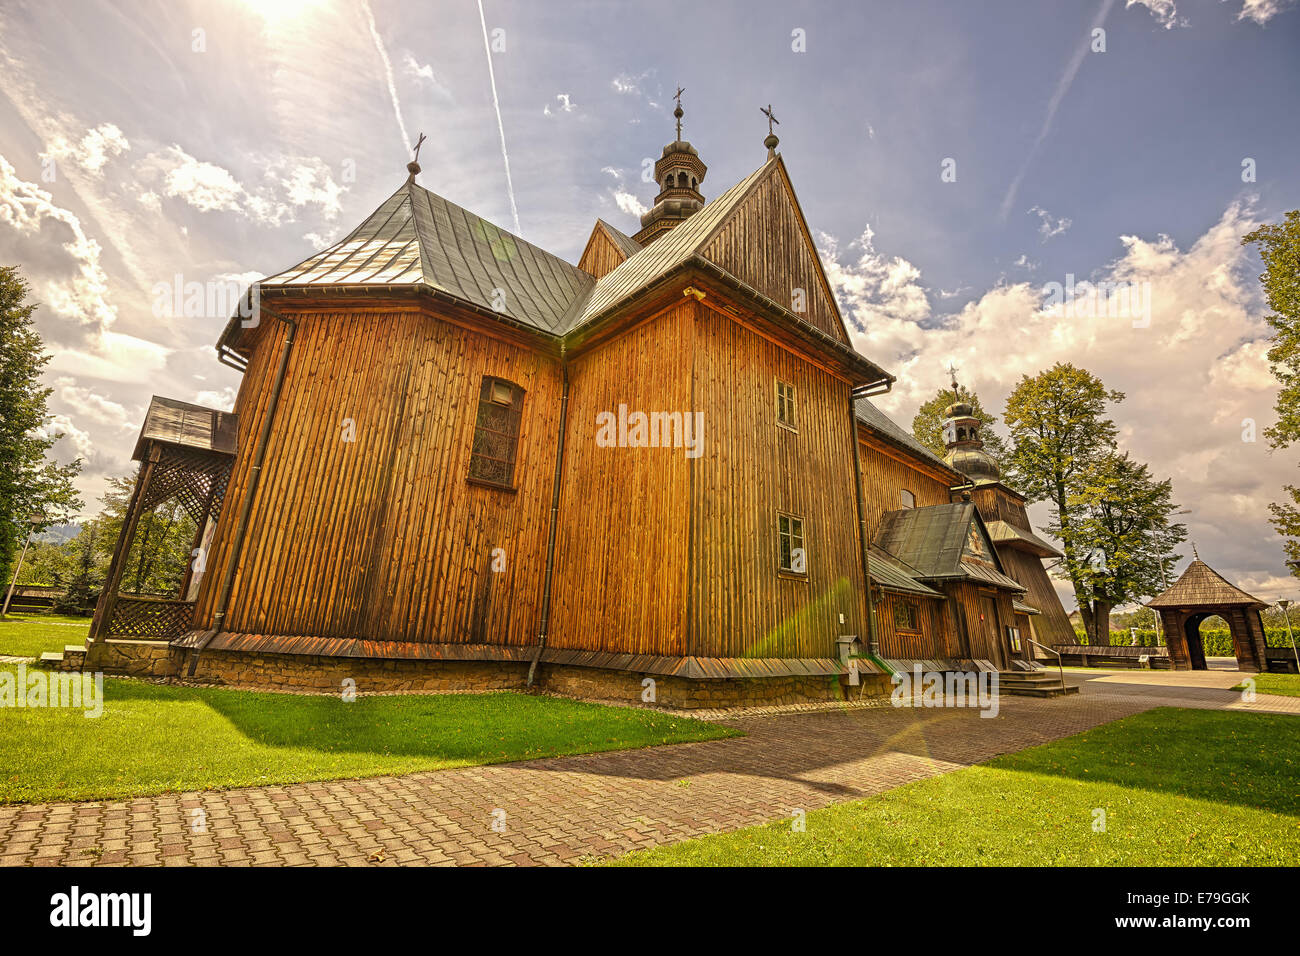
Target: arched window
906, 499
496, 433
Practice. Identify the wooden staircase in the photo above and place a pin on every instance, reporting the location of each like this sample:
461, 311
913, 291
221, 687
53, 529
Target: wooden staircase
1036, 683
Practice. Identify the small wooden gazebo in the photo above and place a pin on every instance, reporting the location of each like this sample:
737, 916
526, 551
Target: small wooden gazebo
1200, 593
185, 453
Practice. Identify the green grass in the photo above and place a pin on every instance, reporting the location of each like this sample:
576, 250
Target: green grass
1287, 685
1179, 787
30, 635
156, 738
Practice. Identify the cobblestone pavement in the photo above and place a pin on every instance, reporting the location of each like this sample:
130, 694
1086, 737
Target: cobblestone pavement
562, 810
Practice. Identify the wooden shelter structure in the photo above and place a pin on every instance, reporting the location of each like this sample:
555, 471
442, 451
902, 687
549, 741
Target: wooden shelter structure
463, 461
1201, 593
185, 453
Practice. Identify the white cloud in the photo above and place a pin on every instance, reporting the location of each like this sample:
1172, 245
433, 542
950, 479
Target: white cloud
93, 151
1048, 226
290, 184
629, 203
1260, 11
425, 72
1164, 11
566, 104
1024, 262
1192, 376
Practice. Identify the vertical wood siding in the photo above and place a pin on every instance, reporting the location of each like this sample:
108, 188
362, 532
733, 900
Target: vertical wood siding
383, 538
752, 468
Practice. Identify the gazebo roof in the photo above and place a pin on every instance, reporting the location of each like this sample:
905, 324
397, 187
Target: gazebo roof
174, 422
1202, 586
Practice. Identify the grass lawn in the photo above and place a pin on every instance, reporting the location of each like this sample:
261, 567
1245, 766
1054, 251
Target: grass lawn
1287, 685
154, 738
1179, 787
30, 635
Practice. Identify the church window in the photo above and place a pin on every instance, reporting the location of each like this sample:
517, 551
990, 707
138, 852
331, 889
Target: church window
907, 616
496, 433
785, 404
790, 553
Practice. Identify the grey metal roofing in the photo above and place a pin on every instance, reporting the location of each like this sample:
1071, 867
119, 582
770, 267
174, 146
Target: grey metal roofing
881, 423
889, 573
1005, 532
626, 243
192, 426
1022, 608
933, 541
416, 237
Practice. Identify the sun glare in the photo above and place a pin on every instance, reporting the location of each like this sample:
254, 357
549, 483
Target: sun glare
275, 11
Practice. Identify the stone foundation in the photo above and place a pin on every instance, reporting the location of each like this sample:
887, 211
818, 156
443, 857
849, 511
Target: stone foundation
326, 675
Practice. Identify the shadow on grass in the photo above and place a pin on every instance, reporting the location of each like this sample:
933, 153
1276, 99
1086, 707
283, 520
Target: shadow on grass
448, 727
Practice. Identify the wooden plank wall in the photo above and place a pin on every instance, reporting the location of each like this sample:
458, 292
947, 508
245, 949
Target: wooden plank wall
985, 640
1053, 625
620, 580
383, 537
930, 643
751, 469
763, 245
885, 473
601, 255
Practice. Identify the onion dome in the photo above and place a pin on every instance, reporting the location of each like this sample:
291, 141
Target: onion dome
679, 173
961, 436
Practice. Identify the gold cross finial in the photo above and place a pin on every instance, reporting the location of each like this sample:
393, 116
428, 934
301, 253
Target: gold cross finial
952, 372
678, 111
767, 111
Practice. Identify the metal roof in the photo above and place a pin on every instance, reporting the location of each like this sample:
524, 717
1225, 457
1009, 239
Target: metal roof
886, 427
674, 248
1003, 532
416, 237
933, 540
889, 573
191, 426
1202, 586
1021, 607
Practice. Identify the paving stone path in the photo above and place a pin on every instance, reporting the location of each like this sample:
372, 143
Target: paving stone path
565, 810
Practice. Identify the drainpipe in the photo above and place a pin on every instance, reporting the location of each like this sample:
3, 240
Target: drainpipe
873, 648
246, 509
544, 626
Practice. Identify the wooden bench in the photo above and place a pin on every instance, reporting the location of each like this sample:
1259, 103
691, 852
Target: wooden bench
1104, 655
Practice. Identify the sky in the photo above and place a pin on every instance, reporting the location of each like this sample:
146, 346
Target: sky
960, 165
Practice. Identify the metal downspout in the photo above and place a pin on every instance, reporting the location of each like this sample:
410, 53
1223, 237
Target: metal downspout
246, 509
873, 648
544, 626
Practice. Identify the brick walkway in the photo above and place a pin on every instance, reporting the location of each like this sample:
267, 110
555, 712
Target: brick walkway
563, 810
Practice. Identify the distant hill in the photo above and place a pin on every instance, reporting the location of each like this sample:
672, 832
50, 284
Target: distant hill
58, 534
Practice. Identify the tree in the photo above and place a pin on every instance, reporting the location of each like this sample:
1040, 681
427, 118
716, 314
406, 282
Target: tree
1279, 247
1121, 514
85, 567
1059, 433
30, 485
160, 551
927, 426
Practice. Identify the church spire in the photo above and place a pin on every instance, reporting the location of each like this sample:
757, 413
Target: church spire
679, 173
961, 437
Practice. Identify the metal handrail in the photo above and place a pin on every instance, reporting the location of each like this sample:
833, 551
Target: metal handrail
1060, 668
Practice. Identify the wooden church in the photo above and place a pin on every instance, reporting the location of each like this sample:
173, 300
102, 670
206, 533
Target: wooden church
458, 461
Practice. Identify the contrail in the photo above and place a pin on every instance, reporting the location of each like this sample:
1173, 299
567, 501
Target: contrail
505, 157
1062, 87
388, 72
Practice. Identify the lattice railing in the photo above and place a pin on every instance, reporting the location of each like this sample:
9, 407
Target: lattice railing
150, 618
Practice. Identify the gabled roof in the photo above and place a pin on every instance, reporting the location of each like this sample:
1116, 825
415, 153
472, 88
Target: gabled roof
1202, 586
667, 253
417, 238
934, 541
896, 434
174, 422
1004, 532
626, 243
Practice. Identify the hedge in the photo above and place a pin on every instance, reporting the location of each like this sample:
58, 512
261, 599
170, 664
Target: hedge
1217, 641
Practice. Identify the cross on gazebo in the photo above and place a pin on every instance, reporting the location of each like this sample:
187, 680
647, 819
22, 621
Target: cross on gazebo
767, 111
418, 143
